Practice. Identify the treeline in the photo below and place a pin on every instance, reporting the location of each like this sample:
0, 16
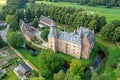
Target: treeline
13, 12
67, 15
107, 3
12, 6
111, 31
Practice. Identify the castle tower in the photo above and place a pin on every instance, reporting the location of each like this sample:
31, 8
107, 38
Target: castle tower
52, 37
80, 35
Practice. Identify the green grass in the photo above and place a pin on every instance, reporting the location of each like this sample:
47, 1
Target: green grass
11, 76
26, 53
2, 3
114, 53
110, 14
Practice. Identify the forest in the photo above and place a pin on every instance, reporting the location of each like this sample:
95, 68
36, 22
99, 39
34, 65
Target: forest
64, 15
107, 3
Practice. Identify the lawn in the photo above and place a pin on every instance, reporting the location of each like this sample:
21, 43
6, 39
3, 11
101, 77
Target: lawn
11, 76
2, 3
109, 13
114, 53
26, 53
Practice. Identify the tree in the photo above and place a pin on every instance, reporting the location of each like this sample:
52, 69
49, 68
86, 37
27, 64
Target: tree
49, 63
15, 39
118, 3
111, 30
31, 1
93, 25
75, 71
35, 22
92, 2
95, 76
105, 76
44, 34
59, 76
2, 43
12, 20
101, 22
108, 5
116, 36
72, 76
76, 67
117, 71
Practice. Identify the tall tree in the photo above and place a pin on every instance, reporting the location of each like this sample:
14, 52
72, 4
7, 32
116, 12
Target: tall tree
59, 76
15, 39
117, 71
95, 76
35, 22
49, 63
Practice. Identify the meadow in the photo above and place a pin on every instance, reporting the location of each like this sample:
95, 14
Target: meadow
109, 13
2, 3
112, 57
11, 76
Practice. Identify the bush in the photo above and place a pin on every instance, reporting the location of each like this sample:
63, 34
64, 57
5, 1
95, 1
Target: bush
32, 46
44, 34
35, 73
15, 39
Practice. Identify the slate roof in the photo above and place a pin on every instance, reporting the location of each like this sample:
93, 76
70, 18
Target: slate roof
24, 68
46, 19
77, 36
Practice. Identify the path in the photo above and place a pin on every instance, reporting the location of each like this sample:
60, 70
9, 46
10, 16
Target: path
117, 44
25, 60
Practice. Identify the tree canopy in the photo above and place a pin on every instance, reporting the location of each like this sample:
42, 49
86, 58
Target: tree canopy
15, 39
111, 30
107, 3
49, 63
59, 76
44, 34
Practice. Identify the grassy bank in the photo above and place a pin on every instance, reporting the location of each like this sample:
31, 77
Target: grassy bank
114, 53
109, 13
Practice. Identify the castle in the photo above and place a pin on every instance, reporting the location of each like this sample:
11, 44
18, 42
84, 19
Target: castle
78, 44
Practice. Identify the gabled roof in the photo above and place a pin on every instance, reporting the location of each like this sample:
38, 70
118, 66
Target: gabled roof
24, 68
46, 19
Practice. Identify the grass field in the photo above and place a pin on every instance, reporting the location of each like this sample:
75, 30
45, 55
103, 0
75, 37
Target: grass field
11, 76
2, 3
110, 14
26, 53
114, 53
